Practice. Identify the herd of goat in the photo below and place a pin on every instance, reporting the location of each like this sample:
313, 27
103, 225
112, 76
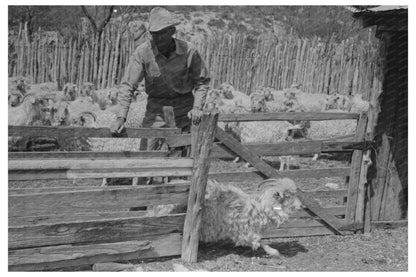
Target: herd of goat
229, 212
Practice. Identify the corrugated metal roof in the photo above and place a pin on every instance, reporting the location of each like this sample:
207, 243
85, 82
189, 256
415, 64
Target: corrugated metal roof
386, 8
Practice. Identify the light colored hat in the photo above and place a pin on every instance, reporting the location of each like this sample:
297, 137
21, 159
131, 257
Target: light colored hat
161, 18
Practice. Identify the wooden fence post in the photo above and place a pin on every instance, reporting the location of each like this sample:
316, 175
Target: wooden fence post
356, 189
205, 137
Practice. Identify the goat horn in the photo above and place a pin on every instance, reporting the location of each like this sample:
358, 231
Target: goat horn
90, 113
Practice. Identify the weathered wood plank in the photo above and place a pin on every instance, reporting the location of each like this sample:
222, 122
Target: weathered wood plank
204, 134
45, 258
389, 224
335, 211
84, 201
286, 116
276, 149
255, 175
65, 131
59, 218
354, 181
297, 232
19, 175
56, 164
85, 155
94, 231
114, 215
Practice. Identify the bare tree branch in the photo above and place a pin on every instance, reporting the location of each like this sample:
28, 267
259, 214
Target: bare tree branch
87, 14
109, 12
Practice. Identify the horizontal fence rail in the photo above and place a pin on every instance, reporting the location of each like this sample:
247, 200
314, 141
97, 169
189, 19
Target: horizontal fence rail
64, 131
286, 116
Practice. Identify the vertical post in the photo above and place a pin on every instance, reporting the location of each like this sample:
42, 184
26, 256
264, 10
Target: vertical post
355, 188
205, 133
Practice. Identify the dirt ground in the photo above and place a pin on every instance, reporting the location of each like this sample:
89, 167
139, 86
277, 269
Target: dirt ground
381, 250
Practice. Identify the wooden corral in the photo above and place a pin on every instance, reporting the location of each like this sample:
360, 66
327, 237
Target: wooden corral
388, 176
64, 220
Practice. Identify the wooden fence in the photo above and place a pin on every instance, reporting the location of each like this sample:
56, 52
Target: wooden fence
317, 66
70, 226
41, 220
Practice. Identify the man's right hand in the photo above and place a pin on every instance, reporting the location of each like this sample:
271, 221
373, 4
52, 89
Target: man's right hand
118, 126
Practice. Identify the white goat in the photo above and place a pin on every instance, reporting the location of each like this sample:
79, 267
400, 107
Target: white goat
30, 112
229, 213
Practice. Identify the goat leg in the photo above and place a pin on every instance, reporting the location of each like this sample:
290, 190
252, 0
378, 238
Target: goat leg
104, 182
269, 250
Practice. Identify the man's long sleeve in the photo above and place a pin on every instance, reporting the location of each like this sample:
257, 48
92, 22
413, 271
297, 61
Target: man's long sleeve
201, 80
132, 77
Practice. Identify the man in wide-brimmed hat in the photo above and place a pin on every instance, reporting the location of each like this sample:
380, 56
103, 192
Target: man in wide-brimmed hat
174, 74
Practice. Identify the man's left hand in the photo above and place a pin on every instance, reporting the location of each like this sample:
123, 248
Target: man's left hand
195, 114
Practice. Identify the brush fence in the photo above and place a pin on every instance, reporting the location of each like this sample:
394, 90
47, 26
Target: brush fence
54, 227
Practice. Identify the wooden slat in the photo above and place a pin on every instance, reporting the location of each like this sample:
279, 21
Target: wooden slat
85, 155
89, 216
389, 224
276, 149
335, 210
84, 201
66, 255
94, 231
17, 175
297, 232
64, 131
85, 164
204, 134
254, 175
113, 215
302, 223
354, 181
286, 116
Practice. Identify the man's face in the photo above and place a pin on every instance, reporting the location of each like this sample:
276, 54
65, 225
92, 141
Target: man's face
163, 37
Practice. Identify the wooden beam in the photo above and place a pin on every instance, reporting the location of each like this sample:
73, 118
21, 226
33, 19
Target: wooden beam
85, 164
74, 217
389, 224
22, 175
286, 116
297, 232
270, 172
354, 181
84, 201
66, 131
256, 176
85, 155
94, 231
203, 133
47, 258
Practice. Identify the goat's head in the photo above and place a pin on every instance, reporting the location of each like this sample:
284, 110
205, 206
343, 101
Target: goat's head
258, 103
87, 89
35, 108
113, 96
15, 99
226, 90
70, 91
280, 195
59, 114
22, 85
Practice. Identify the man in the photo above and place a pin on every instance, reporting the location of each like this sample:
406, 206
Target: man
174, 75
